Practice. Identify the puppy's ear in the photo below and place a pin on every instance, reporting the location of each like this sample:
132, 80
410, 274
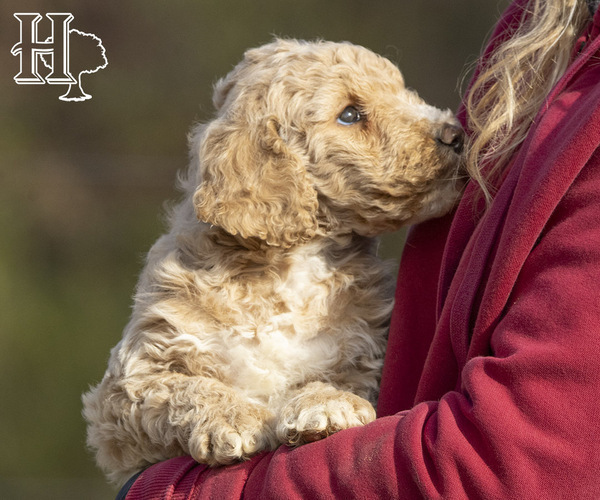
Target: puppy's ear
253, 185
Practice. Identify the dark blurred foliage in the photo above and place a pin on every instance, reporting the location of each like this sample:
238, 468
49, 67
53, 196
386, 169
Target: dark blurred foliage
82, 185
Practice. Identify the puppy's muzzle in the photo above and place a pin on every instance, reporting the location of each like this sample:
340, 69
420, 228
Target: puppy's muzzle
452, 136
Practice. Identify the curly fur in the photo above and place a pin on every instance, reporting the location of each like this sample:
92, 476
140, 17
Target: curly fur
264, 322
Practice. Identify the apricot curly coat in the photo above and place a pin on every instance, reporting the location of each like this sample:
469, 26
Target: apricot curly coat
264, 322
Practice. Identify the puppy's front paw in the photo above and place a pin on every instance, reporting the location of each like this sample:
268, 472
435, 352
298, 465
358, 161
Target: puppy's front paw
231, 435
319, 410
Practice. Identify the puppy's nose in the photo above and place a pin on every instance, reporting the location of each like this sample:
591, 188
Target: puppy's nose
453, 136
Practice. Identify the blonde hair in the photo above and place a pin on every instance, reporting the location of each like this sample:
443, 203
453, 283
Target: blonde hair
514, 81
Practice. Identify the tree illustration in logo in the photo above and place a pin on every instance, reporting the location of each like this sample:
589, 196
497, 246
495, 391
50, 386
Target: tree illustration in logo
86, 55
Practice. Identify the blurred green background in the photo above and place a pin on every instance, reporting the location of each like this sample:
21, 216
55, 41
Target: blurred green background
83, 185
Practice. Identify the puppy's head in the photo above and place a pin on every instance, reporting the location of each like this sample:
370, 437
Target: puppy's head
322, 137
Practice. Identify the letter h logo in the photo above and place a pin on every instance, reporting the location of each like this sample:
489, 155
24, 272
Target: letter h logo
30, 48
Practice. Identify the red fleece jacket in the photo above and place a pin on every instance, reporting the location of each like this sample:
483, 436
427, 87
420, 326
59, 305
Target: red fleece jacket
491, 385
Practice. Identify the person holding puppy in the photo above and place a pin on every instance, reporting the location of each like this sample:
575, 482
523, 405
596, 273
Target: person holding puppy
490, 384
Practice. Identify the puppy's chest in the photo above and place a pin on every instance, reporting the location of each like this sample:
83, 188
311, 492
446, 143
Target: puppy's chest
285, 328
293, 299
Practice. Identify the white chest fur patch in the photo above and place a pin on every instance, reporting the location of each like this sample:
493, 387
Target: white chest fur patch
278, 349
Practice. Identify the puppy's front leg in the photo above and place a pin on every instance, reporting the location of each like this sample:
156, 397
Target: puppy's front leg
139, 420
225, 427
317, 410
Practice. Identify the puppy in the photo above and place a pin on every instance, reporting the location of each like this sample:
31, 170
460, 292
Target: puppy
261, 316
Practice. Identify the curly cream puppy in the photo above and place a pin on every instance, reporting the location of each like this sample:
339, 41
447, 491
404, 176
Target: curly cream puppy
260, 317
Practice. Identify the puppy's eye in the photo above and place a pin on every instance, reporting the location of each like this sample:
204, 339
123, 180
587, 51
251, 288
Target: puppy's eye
349, 116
